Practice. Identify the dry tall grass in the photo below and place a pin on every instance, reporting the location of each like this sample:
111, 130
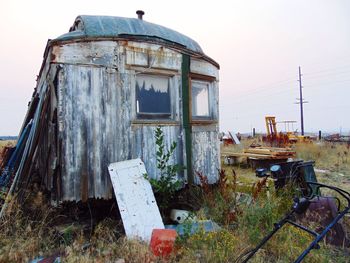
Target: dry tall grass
27, 231
25, 236
329, 156
332, 162
6, 143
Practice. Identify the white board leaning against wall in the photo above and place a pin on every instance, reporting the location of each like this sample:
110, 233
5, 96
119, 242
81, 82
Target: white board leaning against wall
136, 201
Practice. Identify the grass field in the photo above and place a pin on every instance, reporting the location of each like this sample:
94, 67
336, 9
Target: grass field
245, 211
332, 161
6, 143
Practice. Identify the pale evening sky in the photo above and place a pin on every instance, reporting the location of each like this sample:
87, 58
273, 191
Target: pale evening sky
259, 45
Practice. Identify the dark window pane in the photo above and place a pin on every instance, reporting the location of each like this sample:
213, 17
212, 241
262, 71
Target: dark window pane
153, 96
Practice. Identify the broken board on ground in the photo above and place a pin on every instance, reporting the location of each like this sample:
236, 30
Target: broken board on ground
136, 201
234, 138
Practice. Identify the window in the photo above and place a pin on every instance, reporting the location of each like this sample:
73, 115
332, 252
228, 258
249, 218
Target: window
200, 91
153, 97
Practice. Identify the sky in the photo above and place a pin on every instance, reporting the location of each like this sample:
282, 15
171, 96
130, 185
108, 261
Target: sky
259, 45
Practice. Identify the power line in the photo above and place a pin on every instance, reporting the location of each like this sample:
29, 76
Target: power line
281, 92
283, 87
328, 83
327, 75
341, 60
278, 84
327, 70
267, 87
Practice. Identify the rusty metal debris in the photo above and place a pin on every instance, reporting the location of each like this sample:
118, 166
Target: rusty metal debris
310, 206
282, 139
299, 207
337, 138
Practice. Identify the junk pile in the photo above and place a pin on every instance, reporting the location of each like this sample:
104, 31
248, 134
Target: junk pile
260, 156
270, 152
231, 138
337, 138
140, 213
281, 139
309, 206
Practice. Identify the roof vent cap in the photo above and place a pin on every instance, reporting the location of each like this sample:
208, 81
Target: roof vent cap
140, 13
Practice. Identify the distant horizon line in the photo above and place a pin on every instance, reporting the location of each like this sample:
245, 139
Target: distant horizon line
14, 137
345, 133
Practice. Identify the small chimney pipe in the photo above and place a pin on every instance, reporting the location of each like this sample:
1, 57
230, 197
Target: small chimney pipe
140, 13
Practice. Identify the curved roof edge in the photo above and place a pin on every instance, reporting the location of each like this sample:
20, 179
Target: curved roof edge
110, 26
88, 27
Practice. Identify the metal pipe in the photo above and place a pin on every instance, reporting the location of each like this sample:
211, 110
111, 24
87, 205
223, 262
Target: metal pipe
303, 228
140, 14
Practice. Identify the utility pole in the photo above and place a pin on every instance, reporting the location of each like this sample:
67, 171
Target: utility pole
301, 102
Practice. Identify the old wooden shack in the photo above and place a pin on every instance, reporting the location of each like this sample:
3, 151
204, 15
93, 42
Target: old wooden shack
102, 90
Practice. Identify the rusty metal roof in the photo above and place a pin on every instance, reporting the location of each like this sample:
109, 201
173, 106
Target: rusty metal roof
110, 26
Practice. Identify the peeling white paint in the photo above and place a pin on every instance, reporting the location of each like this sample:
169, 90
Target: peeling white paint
137, 204
96, 114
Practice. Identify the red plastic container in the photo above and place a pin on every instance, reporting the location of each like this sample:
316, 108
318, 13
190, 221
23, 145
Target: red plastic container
163, 241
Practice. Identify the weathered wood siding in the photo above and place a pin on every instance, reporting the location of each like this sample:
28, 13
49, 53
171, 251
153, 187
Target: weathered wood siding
94, 101
205, 142
205, 153
96, 113
92, 131
145, 146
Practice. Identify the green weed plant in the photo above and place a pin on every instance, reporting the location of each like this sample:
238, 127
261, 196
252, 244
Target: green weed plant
168, 183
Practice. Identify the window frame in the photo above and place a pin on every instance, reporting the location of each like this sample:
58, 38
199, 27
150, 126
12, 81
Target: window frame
153, 117
211, 93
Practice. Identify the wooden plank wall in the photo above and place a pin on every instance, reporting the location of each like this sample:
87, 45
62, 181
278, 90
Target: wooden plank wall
96, 115
93, 99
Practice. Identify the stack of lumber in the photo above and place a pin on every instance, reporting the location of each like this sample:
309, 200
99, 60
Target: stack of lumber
263, 153
271, 152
